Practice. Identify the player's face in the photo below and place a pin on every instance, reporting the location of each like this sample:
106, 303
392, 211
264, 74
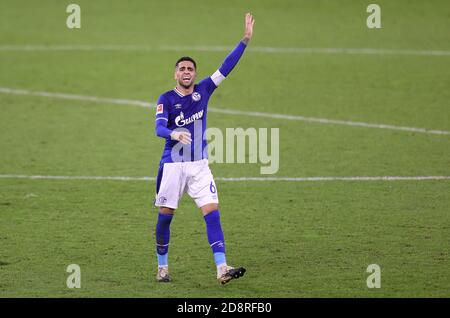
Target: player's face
185, 74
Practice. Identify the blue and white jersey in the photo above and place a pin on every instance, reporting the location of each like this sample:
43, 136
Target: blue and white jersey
177, 111
181, 111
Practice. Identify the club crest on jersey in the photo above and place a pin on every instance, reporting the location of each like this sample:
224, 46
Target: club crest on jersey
196, 96
180, 121
159, 109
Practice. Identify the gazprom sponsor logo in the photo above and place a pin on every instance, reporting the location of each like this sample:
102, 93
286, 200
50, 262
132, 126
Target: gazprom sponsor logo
180, 121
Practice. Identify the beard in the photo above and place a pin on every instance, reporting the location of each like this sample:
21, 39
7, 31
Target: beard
186, 86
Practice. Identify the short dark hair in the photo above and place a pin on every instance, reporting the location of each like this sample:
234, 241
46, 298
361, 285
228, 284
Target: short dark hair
186, 58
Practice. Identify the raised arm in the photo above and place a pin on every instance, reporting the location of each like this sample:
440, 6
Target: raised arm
233, 58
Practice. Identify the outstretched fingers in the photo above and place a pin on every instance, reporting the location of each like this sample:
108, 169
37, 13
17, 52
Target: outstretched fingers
249, 22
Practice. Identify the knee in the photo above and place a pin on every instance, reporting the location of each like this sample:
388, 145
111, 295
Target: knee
208, 208
164, 210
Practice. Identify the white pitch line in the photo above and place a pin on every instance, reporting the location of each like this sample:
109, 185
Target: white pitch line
231, 179
216, 48
329, 121
302, 50
37, 177
128, 102
94, 99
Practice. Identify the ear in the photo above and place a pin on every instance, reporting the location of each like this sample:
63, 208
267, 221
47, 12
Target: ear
175, 74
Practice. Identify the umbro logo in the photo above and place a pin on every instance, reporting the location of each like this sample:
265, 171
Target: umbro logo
178, 106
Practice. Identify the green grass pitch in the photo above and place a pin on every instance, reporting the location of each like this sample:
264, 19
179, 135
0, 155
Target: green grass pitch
296, 239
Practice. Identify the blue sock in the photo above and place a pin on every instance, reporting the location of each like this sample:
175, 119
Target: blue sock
162, 238
215, 236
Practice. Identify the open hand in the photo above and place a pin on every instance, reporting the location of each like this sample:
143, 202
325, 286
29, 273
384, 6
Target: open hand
249, 21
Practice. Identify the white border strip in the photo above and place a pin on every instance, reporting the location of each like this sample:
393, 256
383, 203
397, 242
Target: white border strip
128, 102
230, 179
215, 48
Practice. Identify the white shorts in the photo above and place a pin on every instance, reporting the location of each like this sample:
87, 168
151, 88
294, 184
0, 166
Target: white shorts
193, 177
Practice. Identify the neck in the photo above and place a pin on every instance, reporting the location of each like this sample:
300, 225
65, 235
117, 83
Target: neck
185, 91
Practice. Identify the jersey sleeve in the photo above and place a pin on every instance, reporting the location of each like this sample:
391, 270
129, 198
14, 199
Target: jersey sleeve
228, 64
162, 108
232, 59
208, 84
212, 82
162, 117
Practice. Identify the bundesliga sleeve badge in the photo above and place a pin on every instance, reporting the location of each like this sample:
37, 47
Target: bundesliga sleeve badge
159, 109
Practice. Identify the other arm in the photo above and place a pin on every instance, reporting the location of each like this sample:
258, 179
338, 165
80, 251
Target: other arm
162, 114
